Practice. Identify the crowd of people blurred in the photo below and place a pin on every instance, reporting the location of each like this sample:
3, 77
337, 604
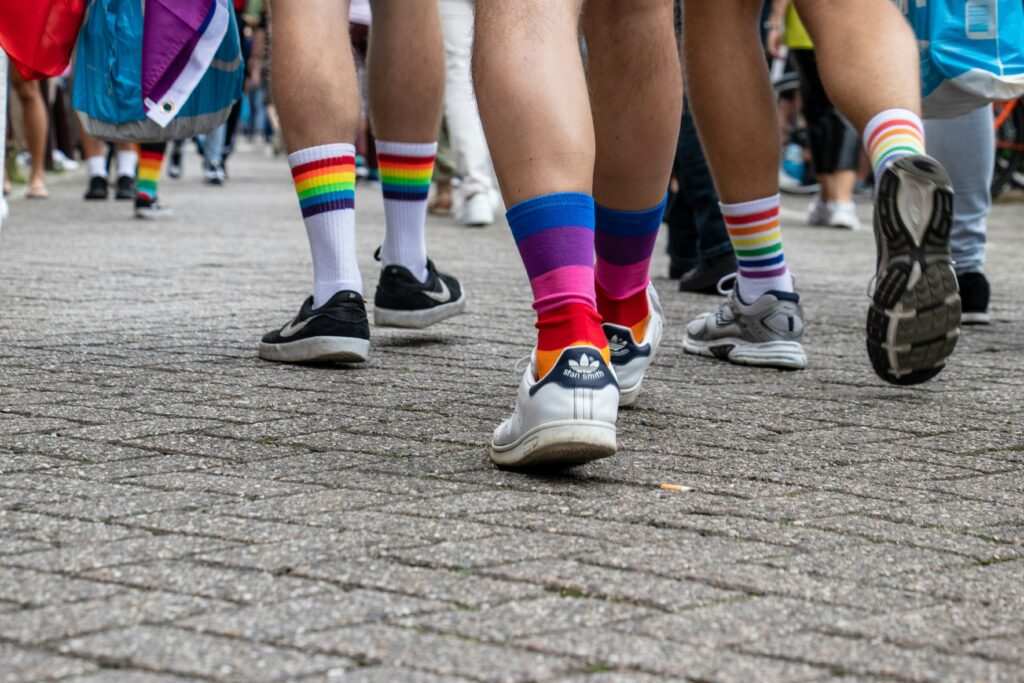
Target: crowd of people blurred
824, 156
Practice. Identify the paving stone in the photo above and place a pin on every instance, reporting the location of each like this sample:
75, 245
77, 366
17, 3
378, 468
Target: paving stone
576, 578
127, 608
80, 558
31, 588
19, 665
433, 584
221, 583
129, 676
283, 622
176, 651
437, 654
502, 623
861, 656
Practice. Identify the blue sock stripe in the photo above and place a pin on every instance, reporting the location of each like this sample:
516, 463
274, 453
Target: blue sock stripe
760, 263
629, 223
559, 210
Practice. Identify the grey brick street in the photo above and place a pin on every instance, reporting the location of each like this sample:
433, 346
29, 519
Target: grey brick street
173, 508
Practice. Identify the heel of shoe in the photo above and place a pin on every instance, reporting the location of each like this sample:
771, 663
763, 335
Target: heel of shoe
562, 444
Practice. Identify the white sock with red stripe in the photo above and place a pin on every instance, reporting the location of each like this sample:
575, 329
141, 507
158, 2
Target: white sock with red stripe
756, 236
892, 134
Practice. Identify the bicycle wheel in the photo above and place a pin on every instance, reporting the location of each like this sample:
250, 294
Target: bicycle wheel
1009, 143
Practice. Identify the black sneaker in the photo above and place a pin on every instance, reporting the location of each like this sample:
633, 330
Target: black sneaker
704, 278
974, 292
914, 320
125, 187
404, 301
151, 209
97, 188
337, 332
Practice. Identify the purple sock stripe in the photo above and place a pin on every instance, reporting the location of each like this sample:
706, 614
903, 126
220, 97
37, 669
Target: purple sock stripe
406, 196
557, 248
622, 251
763, 274
333, 205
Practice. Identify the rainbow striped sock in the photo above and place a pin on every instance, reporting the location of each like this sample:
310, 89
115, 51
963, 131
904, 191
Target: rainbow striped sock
555, 236
892, 134
624, 242
325, 181
151, 161
756, 236
406, 169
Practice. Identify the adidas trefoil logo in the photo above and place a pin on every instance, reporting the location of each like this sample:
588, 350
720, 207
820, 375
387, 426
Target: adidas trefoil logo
617, 345
586, 367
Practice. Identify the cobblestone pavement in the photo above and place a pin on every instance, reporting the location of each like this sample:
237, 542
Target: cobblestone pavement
172, 508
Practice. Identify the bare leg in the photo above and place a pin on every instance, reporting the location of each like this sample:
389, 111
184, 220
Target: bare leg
636, 94
732, 99
406, 70
36, 126
314, 81
863, 79
533, 96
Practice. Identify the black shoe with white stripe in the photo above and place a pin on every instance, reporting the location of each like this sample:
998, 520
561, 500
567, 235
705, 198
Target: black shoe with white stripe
404, 301
914, 320
336, 332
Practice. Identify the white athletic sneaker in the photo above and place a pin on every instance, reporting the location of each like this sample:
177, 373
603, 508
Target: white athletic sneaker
843, 215
817, 212
766, 333
477, 211
629, 359
566, 418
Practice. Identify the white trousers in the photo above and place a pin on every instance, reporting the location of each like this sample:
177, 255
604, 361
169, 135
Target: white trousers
465, 132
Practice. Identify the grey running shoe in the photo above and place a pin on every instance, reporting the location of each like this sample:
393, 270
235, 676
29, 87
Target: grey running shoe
914, 320
767, 332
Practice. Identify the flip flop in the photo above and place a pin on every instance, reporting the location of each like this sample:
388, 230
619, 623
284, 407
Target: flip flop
37, 193
442, 206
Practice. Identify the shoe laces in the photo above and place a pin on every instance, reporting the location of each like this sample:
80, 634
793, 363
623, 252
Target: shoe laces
722, 289
523, 364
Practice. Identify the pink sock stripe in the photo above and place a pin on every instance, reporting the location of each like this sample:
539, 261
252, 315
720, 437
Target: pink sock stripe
560, 286
620, 282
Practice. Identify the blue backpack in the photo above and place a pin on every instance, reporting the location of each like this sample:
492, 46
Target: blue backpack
108, 79
972, 52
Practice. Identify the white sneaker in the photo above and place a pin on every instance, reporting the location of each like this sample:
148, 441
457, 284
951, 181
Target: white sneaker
843, 215
629, 359
567, 418
817, 213
477, 211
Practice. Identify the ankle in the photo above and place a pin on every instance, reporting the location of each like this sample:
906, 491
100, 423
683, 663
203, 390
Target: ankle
574, 324
631, 311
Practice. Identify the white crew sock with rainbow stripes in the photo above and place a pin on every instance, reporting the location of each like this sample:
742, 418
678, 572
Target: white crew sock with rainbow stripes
890, 135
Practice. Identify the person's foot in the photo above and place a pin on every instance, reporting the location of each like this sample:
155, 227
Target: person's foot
817, 212
766, 333
125, 187
631, 359
37, 191
175, 169
336, 332
564, 419
914, 320
403, 301
842, 215
974, 294
98, 188
212, 175
705, 276
476, 211
151, 209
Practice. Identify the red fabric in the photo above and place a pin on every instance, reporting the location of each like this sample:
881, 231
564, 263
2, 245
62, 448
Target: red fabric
567, 325
626, 312
39, 35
